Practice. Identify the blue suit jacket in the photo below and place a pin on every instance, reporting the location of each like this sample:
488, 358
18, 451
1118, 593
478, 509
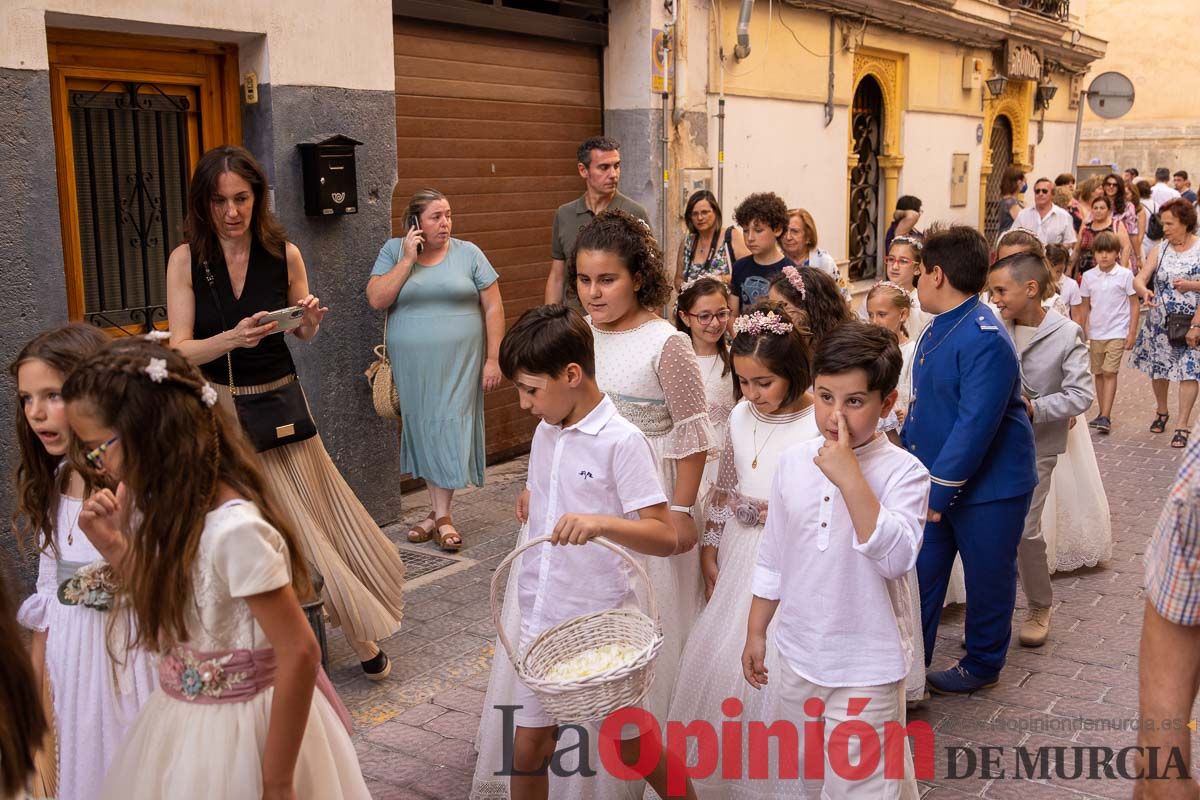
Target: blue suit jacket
967, 423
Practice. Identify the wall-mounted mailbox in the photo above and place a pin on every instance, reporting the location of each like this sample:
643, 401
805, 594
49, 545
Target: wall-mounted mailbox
330, 179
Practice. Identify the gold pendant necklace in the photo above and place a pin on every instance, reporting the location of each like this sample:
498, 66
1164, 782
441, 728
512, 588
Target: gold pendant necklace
758, 450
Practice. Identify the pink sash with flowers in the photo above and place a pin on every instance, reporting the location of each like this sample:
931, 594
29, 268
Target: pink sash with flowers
230, 676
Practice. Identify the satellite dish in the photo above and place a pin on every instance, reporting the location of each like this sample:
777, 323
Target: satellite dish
1110, 95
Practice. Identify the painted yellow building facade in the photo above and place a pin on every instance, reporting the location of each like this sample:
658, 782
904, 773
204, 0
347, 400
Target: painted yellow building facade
1163, 127
792, 104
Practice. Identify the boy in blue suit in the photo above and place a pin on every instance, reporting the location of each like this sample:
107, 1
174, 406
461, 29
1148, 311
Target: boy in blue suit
968, 425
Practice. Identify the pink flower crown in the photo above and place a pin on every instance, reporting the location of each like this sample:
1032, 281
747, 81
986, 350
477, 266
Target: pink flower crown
796, 280
758, 322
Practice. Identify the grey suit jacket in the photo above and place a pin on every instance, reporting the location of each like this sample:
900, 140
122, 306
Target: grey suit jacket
1056, 377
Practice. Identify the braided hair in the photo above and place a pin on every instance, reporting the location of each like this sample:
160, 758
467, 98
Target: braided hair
627, 237
178, 446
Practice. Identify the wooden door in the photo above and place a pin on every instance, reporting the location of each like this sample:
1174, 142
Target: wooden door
131, 117
493, 120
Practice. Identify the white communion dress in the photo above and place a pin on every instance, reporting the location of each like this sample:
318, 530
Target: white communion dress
203, 733
711, 669
96, 697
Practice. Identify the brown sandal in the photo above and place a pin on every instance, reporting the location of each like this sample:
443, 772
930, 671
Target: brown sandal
440, 538
417, 534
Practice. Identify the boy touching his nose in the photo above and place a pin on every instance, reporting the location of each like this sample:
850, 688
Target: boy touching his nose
835, 562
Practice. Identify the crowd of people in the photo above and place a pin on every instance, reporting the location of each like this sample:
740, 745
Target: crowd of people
184, 506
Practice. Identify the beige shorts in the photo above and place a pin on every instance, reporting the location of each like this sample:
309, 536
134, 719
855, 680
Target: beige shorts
1106, 355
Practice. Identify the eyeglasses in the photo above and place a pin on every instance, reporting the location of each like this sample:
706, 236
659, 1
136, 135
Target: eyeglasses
901, 260
1041, 191
706, 318
95, 458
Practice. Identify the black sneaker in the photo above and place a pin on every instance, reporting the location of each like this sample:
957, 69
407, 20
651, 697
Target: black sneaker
1103, 425
1095, 423
378, 667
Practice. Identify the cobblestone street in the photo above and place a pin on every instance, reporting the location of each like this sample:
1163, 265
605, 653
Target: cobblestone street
414, 732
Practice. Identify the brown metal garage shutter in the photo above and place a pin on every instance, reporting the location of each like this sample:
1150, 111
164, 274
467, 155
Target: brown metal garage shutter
492, 120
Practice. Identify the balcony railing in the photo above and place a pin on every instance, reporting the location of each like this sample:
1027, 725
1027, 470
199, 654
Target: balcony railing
1054, 9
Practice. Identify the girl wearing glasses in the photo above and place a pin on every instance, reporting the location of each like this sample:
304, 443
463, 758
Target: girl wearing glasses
703, 313
902, 267
214, 575
95, 698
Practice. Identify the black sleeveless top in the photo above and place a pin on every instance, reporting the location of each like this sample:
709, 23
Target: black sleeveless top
266, 289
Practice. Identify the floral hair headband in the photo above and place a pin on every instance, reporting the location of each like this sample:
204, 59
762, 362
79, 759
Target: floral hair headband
890, 285
796, 280
758, 322
1014, 230
158, 372
911, 241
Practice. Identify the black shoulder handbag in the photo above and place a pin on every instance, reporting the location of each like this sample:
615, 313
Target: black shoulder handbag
272, 418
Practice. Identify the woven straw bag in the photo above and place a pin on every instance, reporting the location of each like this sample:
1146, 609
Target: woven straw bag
595, 696
383, 385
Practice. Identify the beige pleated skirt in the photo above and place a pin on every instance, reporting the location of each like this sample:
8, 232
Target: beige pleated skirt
364, 576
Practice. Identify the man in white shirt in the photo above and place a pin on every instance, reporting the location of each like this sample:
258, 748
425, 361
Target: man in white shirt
1162, 190
835, 560
1053, 225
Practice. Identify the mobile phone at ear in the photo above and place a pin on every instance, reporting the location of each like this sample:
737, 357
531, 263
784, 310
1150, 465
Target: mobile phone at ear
412, 223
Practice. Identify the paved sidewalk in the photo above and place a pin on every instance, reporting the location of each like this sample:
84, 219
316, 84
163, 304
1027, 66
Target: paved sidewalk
414, 732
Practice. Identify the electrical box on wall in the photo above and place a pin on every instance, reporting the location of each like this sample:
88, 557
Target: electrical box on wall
959, 164
329, 176
972, 74
692, 181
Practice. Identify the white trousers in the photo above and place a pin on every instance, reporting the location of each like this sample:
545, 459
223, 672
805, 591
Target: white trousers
883, 704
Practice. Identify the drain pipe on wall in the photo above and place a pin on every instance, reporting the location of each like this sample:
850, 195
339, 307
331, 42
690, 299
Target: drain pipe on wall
743, 30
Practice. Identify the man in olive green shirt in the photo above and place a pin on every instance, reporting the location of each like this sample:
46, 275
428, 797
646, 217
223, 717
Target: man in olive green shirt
600, 167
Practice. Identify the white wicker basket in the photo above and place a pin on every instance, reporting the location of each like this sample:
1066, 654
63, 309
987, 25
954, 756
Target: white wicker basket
598, 695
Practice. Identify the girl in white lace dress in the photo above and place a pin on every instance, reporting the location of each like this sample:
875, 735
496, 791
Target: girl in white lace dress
771, 362
703, 313
95, 699
213, 577
888, 305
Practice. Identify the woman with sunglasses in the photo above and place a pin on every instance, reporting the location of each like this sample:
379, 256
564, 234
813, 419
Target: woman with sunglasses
1124, 212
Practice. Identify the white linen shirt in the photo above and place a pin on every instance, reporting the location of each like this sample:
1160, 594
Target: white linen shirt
844, 617
1057, 227
1109, 293
600, 465
1161, 194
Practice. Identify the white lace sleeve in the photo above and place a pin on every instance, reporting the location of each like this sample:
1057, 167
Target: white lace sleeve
683, 388
718, 506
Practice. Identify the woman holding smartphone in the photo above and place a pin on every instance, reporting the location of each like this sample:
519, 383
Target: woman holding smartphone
235, 268
441, 295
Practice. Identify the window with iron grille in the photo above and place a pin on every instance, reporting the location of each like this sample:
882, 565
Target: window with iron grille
130, 152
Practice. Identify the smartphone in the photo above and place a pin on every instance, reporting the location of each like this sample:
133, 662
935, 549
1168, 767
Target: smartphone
412, 223
287, 318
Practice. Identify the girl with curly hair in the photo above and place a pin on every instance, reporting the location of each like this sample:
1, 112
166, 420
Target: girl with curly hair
213, 575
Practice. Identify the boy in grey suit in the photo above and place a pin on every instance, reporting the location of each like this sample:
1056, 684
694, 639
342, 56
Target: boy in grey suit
1057, 386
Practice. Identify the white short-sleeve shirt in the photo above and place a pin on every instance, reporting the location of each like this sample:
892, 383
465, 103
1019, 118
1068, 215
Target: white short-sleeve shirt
1068, 290
1109, 293
600, 465
1056, 227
